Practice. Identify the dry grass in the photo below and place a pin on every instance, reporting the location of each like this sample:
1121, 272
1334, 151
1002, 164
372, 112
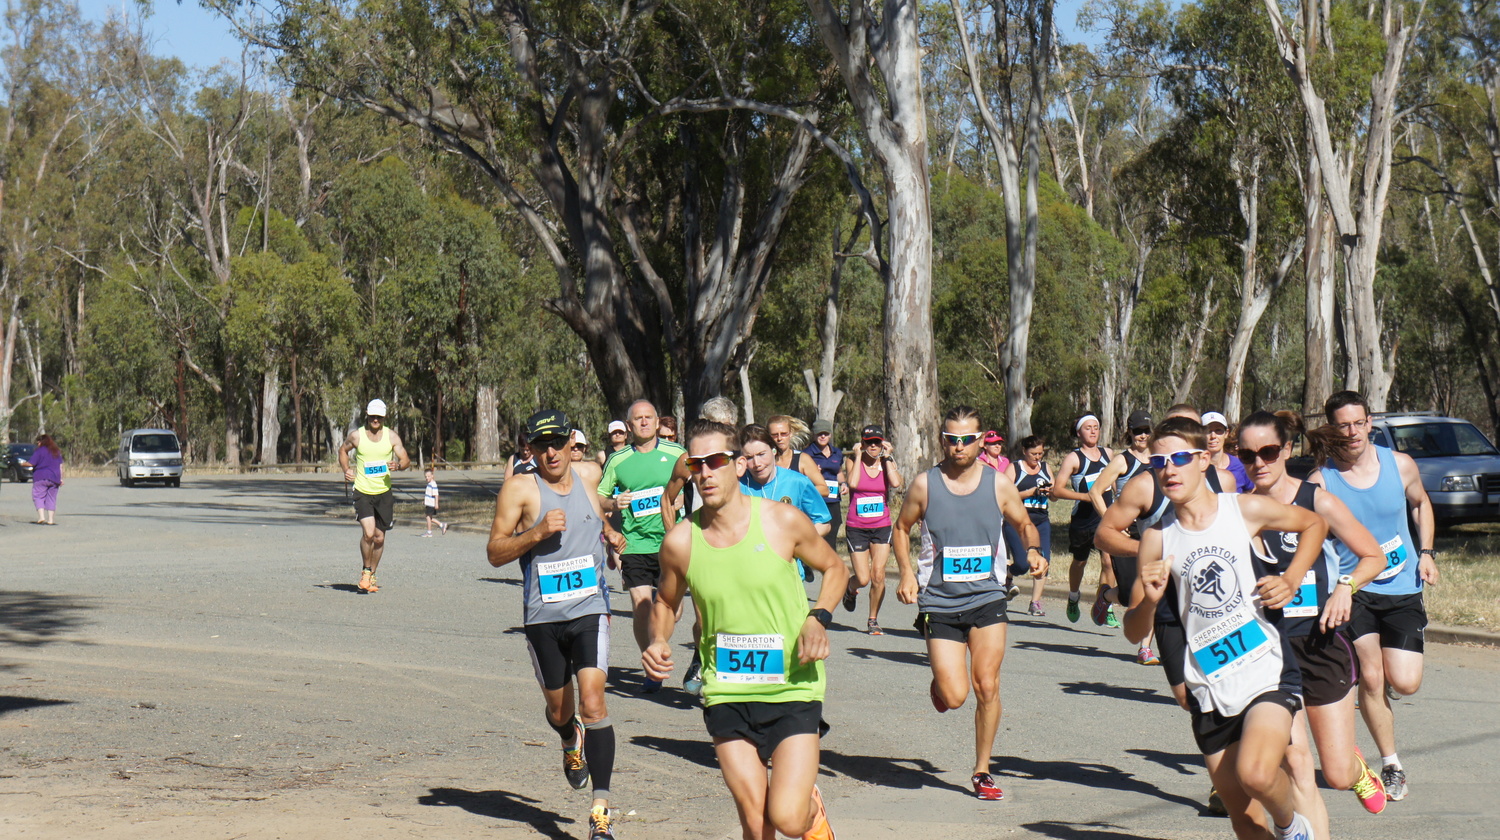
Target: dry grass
1468, 590
454, 511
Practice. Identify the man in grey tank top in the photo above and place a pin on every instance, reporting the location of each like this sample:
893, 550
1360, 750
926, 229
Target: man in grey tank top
958, 586
553, 523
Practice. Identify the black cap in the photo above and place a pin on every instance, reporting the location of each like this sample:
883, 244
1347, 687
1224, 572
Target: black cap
548, 423
872, 432
1139, 419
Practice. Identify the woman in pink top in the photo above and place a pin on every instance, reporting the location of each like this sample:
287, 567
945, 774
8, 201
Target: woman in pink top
870, 477
993, 454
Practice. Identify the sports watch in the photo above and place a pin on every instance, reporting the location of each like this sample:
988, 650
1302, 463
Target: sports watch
824, 617
1349, 579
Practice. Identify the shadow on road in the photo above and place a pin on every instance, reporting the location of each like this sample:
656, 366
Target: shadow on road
1076, 650
33, 619
905, 773
1118, 692
1082, 831
341, 587
901, 657
630, 688
501, 805
698, 752
1089, 776
15, 704
1187, 764
506, 581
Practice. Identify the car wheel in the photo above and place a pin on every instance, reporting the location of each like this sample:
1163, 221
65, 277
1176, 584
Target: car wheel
176, 482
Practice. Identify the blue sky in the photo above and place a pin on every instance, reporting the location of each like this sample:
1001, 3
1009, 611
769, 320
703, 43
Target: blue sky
202, 39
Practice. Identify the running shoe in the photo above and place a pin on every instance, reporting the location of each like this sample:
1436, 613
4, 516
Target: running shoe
428, 534
820, 830
1110, 619
1391, 693
1368, 789
1011, 590
985, 787
575, 766
1100, 610
1074, 613
851, 597
873, 627
1036, 608
806, 572
599, 824
1394, 779
692, 681
366, 581
937, 700
445, 529
1300, 829
1145, 656
1216, 804
650, 686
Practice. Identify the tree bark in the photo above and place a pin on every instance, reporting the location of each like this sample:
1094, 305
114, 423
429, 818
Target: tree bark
1206, 312
893, 118
825, 398
486, 424
270, 415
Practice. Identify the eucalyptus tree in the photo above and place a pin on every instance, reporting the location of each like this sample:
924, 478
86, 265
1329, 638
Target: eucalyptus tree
1354, 167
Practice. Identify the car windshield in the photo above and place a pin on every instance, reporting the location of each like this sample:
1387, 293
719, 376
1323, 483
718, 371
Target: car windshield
1435, 440
154, 443
21, 450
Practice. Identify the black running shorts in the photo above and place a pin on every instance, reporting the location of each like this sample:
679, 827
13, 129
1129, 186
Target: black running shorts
560, 649
859, 539
381, 506
1401, 620
956, 626
765, 725
640, 569
1216, 733
1328, 666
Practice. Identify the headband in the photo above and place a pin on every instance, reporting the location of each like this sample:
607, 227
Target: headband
1078, 425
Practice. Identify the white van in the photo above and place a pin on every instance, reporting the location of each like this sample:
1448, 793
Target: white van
149, 455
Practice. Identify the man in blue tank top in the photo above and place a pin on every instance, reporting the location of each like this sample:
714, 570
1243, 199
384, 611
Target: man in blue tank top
1382, 488
959, 586
553, 522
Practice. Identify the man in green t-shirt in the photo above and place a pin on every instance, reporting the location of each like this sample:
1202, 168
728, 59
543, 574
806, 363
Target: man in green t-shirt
634, 485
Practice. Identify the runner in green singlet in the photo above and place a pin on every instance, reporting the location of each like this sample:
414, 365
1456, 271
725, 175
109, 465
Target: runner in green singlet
377, 451
762, 648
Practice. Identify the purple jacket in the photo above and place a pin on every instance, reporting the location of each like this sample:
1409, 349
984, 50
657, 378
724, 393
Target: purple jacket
45, 466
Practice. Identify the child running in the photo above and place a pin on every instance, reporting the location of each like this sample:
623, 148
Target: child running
430, 503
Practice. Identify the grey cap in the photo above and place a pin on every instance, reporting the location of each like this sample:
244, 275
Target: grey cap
822, 427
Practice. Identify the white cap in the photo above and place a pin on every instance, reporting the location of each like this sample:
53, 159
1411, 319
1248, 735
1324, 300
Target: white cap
579, 439
1213, 417
617, 426
376, 408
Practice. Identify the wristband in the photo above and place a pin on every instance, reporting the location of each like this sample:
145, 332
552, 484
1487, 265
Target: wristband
1431, 551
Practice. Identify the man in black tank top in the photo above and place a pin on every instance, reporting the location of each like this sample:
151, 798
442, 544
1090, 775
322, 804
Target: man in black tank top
1079, 469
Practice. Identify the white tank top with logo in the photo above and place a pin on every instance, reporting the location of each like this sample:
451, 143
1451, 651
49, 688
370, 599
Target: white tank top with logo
1234, 654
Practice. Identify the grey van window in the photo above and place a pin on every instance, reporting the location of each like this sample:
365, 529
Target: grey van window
1436, 440
154, 443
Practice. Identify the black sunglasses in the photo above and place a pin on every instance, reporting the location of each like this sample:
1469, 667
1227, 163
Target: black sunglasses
558, 442
1270, 453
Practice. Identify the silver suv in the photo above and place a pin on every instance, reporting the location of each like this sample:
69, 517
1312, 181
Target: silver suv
1460, 467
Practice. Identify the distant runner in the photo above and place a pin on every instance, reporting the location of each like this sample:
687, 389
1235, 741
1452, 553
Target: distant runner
377, 451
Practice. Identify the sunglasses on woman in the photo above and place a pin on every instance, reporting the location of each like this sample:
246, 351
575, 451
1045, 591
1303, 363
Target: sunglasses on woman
1268, 453
960, 440
1176, 459
714, 460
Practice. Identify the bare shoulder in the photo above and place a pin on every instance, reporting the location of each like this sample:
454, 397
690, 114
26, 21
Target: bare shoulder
590, 473
395, 438
677, 545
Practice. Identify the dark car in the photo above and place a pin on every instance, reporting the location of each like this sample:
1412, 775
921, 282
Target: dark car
15, 453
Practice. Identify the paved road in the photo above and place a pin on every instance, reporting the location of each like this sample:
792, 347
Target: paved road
195, 663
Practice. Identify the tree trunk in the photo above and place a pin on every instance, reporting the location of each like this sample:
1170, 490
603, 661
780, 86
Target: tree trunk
745, 391
1317, 272
825, 398
893, 118
270, 415
486, 424
297, 453
1206, 312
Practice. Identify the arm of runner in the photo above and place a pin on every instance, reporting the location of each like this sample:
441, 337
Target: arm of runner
1150, 585
609, 501
892, 475
1062, 488
679, 480
1009, 500
912, 511
349, 445
806, 544
1343, 524
1425, 519
517, 502
1227, 480
656, 659
1111, 537
400, 460
1113, 470
809, 468
1262, 513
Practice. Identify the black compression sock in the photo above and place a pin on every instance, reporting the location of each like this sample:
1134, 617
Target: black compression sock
599, 752
564, 730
